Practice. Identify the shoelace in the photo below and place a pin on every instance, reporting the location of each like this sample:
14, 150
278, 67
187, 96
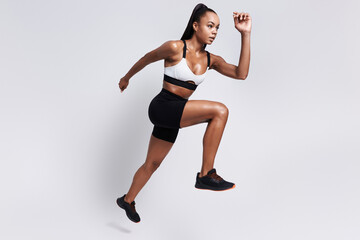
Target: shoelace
215, 176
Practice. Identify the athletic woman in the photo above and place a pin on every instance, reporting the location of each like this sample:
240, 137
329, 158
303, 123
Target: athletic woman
186, 63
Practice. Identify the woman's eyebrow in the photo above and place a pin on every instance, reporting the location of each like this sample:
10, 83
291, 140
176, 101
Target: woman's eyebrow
214, 23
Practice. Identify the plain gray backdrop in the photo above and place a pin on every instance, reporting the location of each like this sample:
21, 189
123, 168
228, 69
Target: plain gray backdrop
71, 142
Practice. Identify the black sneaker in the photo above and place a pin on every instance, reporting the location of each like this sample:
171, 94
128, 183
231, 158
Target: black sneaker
129, 209
212, 181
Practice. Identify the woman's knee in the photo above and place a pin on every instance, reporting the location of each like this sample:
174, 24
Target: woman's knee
221, 110
152, 165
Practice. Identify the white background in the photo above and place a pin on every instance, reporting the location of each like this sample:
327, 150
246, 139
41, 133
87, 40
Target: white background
71, 142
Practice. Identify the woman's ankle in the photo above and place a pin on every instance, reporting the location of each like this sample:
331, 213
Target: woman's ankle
126, 199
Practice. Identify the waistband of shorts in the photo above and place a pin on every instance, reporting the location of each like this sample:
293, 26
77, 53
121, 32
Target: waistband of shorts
172, 94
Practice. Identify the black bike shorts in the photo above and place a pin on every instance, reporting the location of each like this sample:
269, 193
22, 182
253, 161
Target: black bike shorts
165, 111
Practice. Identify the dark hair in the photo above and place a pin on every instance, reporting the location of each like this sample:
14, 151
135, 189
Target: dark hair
197, 13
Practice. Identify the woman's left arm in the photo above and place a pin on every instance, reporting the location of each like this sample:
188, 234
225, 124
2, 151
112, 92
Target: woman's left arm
243, 25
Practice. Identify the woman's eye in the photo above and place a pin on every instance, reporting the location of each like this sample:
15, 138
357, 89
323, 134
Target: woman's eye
209, 26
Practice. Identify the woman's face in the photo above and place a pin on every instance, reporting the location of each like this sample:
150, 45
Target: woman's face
208, 27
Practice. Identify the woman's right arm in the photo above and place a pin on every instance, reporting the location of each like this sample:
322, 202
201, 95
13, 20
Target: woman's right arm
165, 51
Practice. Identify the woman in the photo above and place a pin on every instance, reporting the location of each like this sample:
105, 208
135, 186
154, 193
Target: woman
186, 63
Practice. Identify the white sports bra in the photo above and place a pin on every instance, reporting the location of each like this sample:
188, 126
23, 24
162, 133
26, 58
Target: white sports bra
180, 73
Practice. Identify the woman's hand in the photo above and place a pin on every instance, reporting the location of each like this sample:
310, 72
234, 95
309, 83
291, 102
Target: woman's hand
242, 22
124, 82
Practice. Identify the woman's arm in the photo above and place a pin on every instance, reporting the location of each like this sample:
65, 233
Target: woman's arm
243, 25
165, 51
230, 70
244, 61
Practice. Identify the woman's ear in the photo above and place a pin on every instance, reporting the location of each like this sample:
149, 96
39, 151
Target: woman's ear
195, 26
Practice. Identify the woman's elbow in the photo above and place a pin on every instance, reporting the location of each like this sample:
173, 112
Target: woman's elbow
242, 77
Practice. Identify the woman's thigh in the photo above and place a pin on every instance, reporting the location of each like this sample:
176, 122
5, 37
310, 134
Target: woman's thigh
200, 111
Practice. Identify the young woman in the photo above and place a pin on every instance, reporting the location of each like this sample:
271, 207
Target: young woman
186, 63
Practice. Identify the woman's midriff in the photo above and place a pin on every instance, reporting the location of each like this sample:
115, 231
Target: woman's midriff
181, 91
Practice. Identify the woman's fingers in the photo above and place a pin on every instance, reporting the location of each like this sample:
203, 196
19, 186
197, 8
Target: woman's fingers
236, 19
123, 84
240, 15
237, 15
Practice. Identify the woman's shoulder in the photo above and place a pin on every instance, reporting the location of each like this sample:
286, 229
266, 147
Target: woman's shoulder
174, 46
172, 50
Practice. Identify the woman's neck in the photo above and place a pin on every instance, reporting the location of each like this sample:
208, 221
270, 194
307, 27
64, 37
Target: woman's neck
194, 45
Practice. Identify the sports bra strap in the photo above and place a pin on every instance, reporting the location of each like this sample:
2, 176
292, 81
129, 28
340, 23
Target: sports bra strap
184, 50
208, 57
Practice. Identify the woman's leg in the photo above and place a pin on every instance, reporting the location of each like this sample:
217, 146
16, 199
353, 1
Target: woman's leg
157, 151
216, 114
